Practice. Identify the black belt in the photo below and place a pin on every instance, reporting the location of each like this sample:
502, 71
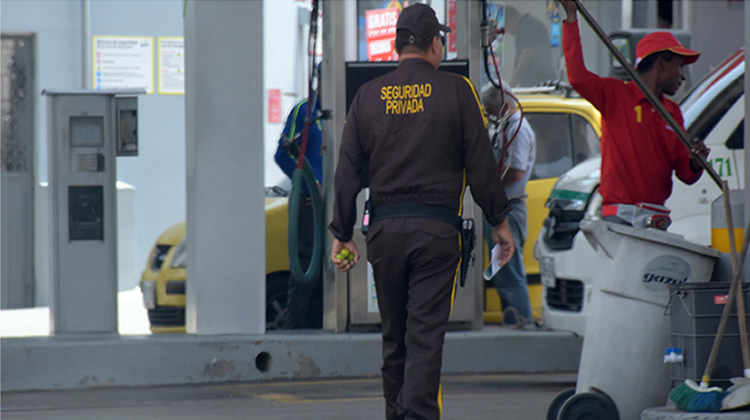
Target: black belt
395, 210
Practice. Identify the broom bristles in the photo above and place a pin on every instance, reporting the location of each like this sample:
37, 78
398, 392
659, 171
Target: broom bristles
691, 397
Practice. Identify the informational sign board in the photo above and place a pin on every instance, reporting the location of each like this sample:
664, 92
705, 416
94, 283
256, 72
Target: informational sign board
123, 62
380, 25
274, 105
171, 65
453, 24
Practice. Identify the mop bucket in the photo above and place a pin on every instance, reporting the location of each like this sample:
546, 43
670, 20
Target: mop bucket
622, 371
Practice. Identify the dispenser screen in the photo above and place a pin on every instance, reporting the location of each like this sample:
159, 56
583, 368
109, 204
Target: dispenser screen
87, 131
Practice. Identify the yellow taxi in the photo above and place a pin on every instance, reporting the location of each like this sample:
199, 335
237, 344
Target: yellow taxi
163, 278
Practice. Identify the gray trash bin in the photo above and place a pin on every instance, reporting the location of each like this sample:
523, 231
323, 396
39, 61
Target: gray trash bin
622, 371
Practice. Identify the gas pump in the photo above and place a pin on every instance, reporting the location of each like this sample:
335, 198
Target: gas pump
349, 301
86, 131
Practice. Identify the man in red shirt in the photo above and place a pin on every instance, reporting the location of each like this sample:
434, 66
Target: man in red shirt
639, 149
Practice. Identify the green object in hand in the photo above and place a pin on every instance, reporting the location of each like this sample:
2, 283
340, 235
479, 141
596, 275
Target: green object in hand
344, 255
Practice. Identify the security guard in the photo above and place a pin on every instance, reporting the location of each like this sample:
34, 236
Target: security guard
421, 133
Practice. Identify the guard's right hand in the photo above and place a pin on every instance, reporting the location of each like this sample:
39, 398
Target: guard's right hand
502, 236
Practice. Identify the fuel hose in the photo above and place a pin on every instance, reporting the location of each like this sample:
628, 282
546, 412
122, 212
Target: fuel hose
296, 201
304, 173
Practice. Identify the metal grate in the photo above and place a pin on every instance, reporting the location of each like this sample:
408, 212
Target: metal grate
16, 103
567, 296
167, 316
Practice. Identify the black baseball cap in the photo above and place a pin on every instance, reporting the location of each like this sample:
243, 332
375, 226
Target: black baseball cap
421, 21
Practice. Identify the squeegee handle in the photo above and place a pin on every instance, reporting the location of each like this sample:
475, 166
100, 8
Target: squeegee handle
646, 91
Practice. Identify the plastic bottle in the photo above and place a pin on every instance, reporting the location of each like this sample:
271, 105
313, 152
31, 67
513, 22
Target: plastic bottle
673, 355
555, 28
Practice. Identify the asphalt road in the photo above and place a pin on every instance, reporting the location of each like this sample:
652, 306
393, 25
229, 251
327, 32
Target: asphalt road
465, 397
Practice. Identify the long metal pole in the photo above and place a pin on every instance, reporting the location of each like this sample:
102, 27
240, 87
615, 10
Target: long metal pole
86, 44
646, 91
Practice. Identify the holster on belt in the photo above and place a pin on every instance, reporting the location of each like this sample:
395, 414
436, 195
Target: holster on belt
468, 239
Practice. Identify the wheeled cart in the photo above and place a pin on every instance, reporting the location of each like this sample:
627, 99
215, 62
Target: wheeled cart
622, 371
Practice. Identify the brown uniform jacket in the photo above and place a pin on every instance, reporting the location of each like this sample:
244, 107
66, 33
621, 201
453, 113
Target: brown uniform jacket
423, 133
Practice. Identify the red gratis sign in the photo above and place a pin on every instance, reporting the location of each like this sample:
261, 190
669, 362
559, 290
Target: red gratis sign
381, 32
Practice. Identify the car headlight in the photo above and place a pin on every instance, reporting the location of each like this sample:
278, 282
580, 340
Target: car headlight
567, 200
537, 252
179, 259
594, 208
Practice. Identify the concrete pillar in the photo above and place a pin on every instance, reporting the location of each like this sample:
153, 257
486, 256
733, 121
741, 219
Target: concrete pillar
225, 203
747, 127
333, 97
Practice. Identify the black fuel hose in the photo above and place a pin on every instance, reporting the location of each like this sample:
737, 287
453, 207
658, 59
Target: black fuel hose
304, 173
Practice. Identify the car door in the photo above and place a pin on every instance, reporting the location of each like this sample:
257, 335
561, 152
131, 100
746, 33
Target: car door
720, 124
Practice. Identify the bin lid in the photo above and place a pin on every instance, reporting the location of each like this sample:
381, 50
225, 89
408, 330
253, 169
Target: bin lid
663, 238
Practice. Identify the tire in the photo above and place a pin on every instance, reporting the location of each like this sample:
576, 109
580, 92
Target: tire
277, 289
557, 403
589, 406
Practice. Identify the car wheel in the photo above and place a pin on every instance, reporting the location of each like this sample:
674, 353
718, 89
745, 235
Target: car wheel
277, 287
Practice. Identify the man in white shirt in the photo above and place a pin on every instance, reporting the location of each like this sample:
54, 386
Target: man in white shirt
514, 143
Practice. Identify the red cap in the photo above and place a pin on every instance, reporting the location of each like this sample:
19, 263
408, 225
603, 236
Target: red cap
662, 41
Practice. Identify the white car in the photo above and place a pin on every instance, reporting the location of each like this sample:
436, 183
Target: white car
714, 111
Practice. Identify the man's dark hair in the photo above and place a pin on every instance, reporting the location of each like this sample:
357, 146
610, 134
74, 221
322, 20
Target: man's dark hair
403, 44
648, 62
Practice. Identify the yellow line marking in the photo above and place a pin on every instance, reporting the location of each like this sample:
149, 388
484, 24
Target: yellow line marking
291, 399
306, 383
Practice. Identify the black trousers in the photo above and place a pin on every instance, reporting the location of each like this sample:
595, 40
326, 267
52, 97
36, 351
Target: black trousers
415, 264
305, 300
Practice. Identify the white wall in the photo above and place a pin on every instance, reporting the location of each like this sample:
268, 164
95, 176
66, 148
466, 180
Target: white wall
718, 30
285, 68
158, 173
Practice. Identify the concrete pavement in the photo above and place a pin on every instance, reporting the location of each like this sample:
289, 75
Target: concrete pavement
466, 397
34, 360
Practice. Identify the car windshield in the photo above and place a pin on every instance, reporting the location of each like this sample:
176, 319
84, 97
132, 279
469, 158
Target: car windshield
563, 140
714, 95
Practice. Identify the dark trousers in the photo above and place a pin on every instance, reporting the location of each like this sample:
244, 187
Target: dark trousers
415, 262
305, 300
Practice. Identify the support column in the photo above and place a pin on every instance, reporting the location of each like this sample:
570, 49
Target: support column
333, 97
747, 129
225, 193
